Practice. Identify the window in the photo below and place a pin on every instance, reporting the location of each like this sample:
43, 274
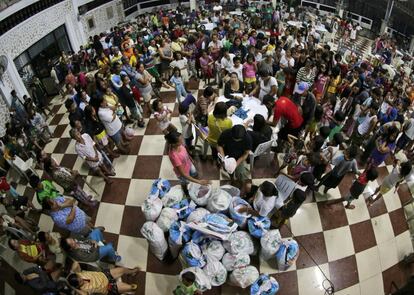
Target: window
110, 12
91, 23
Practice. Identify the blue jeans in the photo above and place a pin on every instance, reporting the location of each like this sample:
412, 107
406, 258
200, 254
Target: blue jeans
104, 251
180, 91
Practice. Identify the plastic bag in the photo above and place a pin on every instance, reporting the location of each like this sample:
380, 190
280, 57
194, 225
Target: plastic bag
156, 240
264, 285
167, 217
244, 276
239, 242
219, 223
202, 281
219, 201
232, 190
197, 215
174, 196
216, 272
233, 261
240, 218
198, 237
184, 208
270, 243
258, 226
152, 208
199, 193
287, 254
160, 187
179, 234
213, 250
192, 255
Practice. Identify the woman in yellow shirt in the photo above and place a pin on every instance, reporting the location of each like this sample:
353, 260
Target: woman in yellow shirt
103, 60
100, 282
217, 123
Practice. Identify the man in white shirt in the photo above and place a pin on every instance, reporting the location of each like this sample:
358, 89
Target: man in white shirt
217, 7
237, 68
86, 149
225, 65
112, 123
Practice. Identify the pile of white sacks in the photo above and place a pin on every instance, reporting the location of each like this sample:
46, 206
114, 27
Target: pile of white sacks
211, 238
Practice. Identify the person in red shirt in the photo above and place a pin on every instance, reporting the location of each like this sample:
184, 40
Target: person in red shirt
288, 111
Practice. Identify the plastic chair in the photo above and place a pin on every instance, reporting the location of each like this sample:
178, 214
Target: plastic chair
22, 167
263, 148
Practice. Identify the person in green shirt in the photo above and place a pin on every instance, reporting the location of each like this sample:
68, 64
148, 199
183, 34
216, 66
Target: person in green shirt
187, 285
44, 189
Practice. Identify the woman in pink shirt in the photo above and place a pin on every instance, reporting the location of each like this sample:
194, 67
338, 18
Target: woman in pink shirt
181, 160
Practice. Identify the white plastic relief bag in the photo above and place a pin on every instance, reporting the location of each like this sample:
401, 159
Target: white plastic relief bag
199, 193
244, 276
166, 219
239, 242
233, 261
152, 208
219, 201
216, 272
213, 250
173, 196
270, 243
156, 240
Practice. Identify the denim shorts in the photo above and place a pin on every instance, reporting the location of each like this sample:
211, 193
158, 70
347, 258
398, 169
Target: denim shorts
117, 137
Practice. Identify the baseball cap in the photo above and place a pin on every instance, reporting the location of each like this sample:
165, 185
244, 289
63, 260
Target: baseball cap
302, 87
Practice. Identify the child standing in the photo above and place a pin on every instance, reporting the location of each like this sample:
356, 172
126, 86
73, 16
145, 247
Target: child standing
357, 187
177, 80
207, 66
163, 115
249, 73
394, 179
182, 64
186, 120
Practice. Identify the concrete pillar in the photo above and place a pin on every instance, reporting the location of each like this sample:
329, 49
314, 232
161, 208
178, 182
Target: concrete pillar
274, 3
412, 45
193, 5
383, 27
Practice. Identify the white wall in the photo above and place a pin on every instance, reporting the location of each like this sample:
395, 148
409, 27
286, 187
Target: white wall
21, 37
100, 17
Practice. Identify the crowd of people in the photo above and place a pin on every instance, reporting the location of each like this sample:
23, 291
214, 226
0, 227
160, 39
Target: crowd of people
323, 112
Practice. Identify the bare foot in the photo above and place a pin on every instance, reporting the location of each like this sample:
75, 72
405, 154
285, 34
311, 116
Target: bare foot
350, 207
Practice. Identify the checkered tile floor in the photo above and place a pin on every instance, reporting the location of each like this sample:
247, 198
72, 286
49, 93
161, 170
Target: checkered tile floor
359, 250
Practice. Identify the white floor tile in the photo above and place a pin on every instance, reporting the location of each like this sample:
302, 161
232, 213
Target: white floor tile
373, 285
124, 166
152, 145
310, 280
392, 201
160, 284
134, 252
50, 147
138, 191
382, 228
81, 166
360, 213
404, 245
8, 289
339, 243
166, 170
388, 254
97, 183
353, 290
369, 263
306, 220
112, 224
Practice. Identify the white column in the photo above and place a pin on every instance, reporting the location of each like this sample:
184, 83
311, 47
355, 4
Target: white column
412, 45
274, 3
383, 26
193, 5
14, 82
